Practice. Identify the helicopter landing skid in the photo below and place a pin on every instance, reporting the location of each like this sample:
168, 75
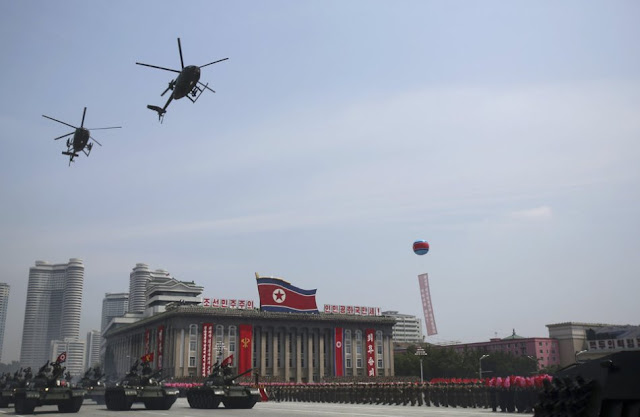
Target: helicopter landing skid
196, 93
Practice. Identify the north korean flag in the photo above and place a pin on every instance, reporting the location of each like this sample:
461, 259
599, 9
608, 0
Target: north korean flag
278, 295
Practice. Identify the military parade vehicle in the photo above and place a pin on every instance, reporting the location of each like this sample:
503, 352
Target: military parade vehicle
600, 387
93, 385
49, 387
9, 383
145, 388
221, 387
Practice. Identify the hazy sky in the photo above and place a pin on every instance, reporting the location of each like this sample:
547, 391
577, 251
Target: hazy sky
504, 133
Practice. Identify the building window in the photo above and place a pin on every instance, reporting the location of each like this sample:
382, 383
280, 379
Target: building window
267, 348
193, 344
219, 343
379, 350
232, 343
359, 349
278, 351
291, 357
302, 350
347, 348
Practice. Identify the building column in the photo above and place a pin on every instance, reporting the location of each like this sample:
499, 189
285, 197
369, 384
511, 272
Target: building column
263, 351
321, 354
390, 348
310, 355
298, 358
275, 336
287, 358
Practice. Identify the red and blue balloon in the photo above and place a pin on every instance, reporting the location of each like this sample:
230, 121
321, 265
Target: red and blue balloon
420, 247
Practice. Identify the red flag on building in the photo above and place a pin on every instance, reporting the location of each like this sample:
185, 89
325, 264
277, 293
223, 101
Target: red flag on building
339, 358
278, 295
246, 347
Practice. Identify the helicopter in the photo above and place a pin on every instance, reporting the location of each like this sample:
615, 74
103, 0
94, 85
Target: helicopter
81, 137
187, 84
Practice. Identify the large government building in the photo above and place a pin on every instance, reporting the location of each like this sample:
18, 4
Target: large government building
187, 340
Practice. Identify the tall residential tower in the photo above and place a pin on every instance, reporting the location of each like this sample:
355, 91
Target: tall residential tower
53, 308
4, 301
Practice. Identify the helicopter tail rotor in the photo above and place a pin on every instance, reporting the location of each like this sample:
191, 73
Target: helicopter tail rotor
158, 110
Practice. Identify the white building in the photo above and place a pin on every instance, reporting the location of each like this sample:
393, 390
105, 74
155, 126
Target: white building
93, 348
113, 305
408, 328
76, 356
138, 280
165, 290
4, 301
53, 308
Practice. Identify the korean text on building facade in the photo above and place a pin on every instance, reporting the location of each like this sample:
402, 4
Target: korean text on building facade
207, 338
352, 310
371, 351
226, 303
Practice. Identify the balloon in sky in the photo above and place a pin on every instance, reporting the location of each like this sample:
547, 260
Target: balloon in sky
420, 247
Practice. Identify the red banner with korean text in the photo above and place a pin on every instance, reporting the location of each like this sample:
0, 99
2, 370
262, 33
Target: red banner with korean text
147, 340
160, 348
338, 357
246, 347
370, 346
207, 337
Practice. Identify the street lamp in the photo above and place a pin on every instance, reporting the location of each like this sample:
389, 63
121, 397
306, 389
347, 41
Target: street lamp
421, 354
480, 370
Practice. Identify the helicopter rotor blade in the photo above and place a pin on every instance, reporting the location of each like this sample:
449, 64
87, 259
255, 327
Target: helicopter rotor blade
83, 114
64, 136
214, 62
93, 139
56, 120
180, 49
103, 128
204, 86
155, 66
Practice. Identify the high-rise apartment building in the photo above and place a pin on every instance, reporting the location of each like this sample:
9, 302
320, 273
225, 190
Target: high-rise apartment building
76, 354
53, 309
408, 328
93, 348
138, 280
113, 305
4, 301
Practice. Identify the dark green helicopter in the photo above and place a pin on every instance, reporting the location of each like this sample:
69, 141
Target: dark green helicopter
187, 84
81, 137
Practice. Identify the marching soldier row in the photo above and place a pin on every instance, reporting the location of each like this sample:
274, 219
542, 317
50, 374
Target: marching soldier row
475, 395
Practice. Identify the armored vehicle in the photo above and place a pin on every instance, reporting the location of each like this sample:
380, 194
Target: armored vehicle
91, 382
9, 383
145, 388
601, 387
48, 388
221, 387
